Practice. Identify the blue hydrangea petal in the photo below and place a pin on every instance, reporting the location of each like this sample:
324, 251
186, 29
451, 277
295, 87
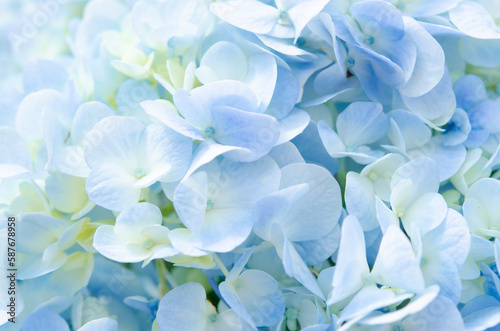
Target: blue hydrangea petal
293, 263
359, 199
321, 204
362, 123
429, 67
44, 319
469, 91
257, 133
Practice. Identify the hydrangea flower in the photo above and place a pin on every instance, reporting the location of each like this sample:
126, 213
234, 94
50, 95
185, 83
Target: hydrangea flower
186, 307
224, 117
138, 235
214, 205
124, 156
253, 294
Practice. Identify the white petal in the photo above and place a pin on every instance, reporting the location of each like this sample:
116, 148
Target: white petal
107, 243
101, 324
473, 19
114, 140
396, 265
253, 16
414, 179
88, 115
369, 299
183, 308
223, 229
351, 261
112, 187
385, 215
416, 305
165, 112
181, 240
167, 150
426, 213
134, 219
330, 139
29, 114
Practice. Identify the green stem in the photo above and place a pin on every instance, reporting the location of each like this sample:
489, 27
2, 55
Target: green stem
162, 282
341, 177
221, 265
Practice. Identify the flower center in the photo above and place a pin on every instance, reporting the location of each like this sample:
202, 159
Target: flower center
210, 204
352, 148
139, 172
283, 17
350, 62
148, 244
301, 41
209, 132
212, 317
369, 40
423, 261
368, 279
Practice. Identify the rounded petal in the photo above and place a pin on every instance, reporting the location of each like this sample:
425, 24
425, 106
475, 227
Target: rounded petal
88, 115
321, 205
135, 218
114, 140
109, 244
256, 132
362, 123
112, 187
428, 212
226, 60
29, 114
44, 319
184, 308
429, 67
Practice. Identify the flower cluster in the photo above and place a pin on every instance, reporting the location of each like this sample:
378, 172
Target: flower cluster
251, 164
